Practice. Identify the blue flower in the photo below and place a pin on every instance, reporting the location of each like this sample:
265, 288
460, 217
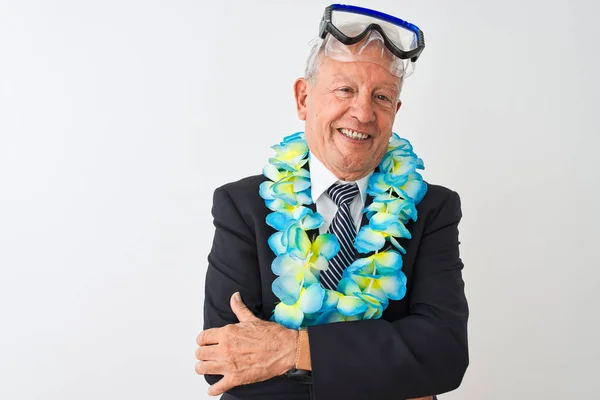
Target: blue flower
309, 301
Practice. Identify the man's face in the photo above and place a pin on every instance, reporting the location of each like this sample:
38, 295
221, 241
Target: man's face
349, 113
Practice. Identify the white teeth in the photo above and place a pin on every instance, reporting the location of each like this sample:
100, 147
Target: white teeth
353, 134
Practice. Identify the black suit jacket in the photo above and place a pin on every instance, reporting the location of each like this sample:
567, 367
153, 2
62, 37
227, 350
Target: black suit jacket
417, 348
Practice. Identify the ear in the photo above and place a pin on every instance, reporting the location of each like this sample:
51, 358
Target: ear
398, 106
301, 93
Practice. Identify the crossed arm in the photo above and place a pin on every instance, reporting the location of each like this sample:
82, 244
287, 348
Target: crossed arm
424, 352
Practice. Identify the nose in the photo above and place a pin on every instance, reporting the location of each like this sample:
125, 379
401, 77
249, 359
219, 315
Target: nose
362, 108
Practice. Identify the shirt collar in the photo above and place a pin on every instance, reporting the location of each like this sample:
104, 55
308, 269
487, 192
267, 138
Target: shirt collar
321, 179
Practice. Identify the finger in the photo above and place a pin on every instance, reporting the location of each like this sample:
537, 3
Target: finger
208, 337
239, 308
221, 386
210, 368
207, 353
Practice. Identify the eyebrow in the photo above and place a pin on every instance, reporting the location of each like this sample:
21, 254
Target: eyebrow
392, 86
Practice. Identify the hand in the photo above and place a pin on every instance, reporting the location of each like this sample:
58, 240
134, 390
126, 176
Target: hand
250, 351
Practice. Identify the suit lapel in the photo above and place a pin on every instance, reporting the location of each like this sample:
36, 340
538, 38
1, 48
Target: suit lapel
365, 222
313, 233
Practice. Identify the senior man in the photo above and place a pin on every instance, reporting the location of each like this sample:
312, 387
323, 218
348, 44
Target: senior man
346, 261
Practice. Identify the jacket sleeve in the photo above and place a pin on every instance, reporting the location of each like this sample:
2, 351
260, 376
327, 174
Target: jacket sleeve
424, 353
233, 266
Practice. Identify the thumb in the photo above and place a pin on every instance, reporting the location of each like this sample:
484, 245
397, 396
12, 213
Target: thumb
239, 308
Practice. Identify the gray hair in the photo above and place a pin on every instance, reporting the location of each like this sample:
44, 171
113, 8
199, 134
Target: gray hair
314, 60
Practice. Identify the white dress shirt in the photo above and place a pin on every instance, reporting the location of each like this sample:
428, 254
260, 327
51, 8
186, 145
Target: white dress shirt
321, 179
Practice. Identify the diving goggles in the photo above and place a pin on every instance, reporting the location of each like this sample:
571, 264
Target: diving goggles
351, 25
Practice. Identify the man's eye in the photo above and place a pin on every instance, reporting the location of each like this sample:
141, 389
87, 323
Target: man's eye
345, 89
383, 98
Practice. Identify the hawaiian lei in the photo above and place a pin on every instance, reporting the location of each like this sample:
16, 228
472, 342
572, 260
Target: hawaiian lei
368, 283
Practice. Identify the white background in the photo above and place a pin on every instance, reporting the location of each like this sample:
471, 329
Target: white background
119, 118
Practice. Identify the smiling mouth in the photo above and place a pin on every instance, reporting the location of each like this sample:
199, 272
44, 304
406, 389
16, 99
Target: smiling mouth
349, 133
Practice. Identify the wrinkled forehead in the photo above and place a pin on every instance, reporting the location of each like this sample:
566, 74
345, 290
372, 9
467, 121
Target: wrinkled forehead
334, 73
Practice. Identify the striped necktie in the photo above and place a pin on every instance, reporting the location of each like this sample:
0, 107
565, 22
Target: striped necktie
344, 228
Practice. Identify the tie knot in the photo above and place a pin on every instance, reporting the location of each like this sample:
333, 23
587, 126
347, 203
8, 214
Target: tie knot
342, 193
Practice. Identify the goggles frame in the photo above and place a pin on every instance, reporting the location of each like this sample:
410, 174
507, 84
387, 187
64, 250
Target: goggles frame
326, 26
